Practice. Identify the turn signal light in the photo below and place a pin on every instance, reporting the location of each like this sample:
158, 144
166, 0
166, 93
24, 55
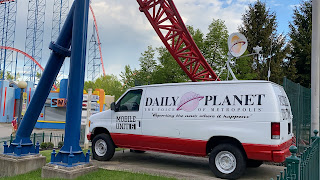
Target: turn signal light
275, 130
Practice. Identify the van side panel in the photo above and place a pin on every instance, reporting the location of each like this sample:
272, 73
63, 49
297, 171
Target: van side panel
162, 144
202, 111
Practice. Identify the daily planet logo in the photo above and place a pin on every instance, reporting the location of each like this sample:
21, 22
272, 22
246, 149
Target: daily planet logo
219, 103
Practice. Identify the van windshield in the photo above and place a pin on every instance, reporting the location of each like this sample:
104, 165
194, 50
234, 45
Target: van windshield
131, 101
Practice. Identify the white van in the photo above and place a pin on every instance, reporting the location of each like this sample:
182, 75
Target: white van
238, 124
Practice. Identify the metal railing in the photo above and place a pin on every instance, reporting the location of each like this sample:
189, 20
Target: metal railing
36, 137
304, 166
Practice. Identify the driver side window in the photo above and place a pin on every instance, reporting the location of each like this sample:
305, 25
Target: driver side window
131, 101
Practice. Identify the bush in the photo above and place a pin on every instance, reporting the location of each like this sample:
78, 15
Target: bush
60, 144
44, 145
50, 145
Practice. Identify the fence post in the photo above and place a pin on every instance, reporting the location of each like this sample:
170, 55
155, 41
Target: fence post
62, 137
34, 138
314, 139
294, 162
50, 136
43, 136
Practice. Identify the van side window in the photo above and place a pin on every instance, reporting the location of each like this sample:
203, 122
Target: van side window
131, 101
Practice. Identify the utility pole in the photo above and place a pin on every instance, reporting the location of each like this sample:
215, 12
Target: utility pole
315, 66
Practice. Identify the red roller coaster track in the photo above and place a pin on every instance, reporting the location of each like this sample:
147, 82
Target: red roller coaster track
25, 54
96, 26
166, 21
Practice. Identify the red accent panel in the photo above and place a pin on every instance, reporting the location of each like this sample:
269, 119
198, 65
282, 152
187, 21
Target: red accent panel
162, 144
14, 108
89, 136
4, 102
275, 153
29, 94
167, 22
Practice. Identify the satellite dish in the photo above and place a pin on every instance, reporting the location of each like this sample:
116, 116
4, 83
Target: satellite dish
237, 44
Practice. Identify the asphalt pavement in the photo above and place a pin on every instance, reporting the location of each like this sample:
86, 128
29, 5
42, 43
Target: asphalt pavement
5, 130
177, 166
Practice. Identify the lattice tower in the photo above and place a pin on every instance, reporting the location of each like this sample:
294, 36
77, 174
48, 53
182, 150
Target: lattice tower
60, 12
34, 38
8, 12
94, 63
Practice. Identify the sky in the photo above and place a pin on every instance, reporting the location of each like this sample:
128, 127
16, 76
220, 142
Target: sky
125, 32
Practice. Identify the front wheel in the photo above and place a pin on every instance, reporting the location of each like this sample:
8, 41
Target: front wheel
227, 161
102, 147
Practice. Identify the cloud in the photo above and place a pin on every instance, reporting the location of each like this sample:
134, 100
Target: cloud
294, 6
125, 32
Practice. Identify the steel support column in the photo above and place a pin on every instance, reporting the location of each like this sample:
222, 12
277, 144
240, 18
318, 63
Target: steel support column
71, 152
22, 143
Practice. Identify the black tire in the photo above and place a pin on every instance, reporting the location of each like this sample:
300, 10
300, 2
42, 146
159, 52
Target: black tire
253, 163
136, 151
102, 147
227, 153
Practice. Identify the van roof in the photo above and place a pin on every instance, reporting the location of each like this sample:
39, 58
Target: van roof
209, 82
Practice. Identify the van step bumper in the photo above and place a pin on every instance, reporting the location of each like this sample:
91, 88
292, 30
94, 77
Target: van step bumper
274, 153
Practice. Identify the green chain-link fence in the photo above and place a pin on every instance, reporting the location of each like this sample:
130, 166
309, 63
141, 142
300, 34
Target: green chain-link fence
300, 101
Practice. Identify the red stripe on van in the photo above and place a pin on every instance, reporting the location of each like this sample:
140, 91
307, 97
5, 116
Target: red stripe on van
274, 153
162, 144
4, 102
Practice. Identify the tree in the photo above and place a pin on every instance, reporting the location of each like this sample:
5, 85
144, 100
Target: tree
168, 71
109, 83
128, 77
300, 43
215, 47
148, 65
259, 26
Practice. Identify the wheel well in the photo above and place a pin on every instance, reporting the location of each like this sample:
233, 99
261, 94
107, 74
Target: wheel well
99, 130
216, 140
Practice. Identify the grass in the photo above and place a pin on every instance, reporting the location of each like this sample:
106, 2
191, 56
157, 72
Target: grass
99, 174
47, 153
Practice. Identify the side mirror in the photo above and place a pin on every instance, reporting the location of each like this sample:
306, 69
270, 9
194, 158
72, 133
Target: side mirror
113, 106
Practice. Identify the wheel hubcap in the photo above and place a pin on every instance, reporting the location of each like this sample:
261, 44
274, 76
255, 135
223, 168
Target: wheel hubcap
101, 147
225, 162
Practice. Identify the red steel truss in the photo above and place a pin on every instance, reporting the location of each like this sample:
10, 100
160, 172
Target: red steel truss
167, 22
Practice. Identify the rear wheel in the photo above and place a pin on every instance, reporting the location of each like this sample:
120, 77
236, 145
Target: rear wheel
102, 147
227, 161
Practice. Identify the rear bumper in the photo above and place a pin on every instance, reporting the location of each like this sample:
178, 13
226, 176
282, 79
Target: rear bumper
274, 153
